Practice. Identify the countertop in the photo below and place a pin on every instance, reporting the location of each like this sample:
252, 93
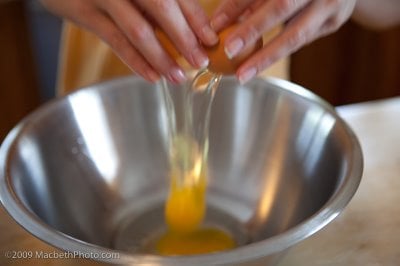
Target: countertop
366, 233
368, 230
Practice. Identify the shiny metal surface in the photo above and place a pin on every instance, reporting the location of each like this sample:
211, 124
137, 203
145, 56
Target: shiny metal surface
78, 172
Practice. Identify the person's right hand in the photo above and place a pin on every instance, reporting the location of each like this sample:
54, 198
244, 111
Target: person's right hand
128, 27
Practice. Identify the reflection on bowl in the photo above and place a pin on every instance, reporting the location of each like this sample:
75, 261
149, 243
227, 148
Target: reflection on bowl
88, 172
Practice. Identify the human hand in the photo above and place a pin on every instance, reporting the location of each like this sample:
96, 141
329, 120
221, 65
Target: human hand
377, 15
304, 21
128, 27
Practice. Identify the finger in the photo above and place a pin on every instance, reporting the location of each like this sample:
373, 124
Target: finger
169, 17
251, 9
110, 33
141, 35
302, 29
227, 12
341, 12
198, 21
269, 15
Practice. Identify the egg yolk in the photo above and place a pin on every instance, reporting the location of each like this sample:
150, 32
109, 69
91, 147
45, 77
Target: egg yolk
201, 241
185, 206
185, 210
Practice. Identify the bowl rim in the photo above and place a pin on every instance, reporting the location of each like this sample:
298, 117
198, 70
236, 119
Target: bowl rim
273, 245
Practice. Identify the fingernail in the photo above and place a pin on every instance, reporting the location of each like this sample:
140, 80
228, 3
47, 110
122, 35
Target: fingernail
219, 21
210, 35
234, 47
176, 75
200, 58
247, 74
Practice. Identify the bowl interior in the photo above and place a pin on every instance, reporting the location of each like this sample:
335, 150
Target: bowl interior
94, 165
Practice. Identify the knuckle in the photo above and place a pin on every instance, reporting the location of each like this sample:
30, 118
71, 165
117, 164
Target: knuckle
335, 26
334, 2
234, 5
196, 10
262, 62
161, 5
282, 7
115, 39
297, 39
198, 18
332, 24
285, 8
253, 32
140, 33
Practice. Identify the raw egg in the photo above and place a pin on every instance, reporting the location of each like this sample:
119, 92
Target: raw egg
185, 206
219, 62
201, 241
186, 203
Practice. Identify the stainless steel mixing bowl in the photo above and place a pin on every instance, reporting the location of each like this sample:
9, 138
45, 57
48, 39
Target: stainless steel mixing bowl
88, 172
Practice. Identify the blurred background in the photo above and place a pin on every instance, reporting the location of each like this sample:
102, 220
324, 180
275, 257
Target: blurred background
352, 65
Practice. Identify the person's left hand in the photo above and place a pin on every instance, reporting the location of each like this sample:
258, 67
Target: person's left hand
304, 21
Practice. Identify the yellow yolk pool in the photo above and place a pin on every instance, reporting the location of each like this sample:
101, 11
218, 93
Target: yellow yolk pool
184, 212
185, 207
201, 241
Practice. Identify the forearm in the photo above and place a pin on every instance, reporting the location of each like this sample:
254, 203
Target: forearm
377, 14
